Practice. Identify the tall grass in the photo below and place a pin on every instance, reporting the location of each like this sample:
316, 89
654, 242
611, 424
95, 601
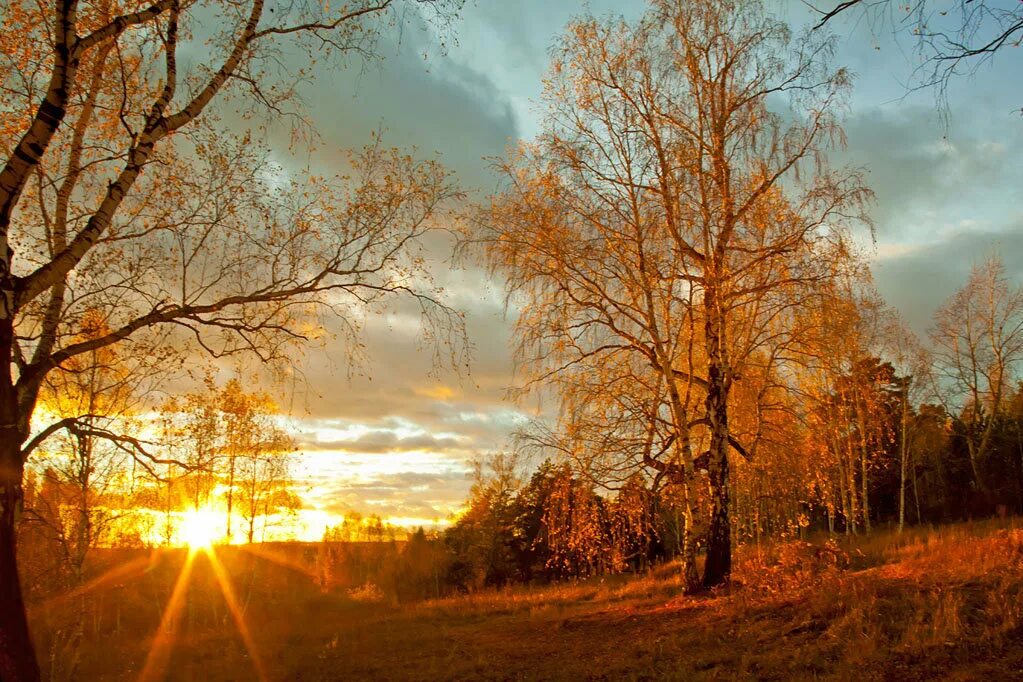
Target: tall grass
930, 602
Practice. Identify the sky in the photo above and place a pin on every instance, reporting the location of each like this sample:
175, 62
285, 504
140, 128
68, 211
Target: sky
394, 436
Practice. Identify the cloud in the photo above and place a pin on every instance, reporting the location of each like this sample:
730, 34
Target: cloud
402, 493
382, 442
926, 182
440, 392
399, 378
920, 280
417, 97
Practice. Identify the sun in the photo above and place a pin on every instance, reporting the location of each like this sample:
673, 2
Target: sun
198, 528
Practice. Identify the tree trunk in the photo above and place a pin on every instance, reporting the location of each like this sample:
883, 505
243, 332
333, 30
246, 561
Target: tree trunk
864, 448
902, 456
17, 653
1019, 450
690, 571
864, 481
719, 538
230, 498
916, 495
843, 496
854, 508
971, 451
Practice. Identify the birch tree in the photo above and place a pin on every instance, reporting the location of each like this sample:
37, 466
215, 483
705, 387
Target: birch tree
977, 339
913, 361
255, 457
134, 182
192, 428
659, 231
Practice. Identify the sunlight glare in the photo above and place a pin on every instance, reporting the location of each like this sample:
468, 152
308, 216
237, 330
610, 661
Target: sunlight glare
199, 528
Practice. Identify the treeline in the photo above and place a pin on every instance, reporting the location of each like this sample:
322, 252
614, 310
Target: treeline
864, 425
551, 526
900, 463
916, 469
556, 526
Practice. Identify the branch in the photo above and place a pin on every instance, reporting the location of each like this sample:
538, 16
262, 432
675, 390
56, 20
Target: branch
53, 428
702, 383
120, 24
736, 445
132, 446
29, 151
319, 26
653, 462
157, 127
834, 12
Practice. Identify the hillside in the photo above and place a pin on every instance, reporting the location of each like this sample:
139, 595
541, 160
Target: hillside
934, 603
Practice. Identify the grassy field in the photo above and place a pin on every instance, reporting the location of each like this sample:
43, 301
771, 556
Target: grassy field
941, 603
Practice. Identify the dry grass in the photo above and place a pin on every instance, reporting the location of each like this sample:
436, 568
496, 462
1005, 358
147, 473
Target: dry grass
934, 603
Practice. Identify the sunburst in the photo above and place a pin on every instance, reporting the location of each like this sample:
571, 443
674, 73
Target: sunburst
199, 528
200, 543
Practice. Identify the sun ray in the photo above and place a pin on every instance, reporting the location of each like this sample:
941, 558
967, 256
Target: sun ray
159, 650
130, 569
236, 612
279, 559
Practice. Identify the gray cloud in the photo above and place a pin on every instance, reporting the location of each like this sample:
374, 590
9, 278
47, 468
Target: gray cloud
382, 442
946, 197
926, 182
919, 281
419, 98
401, 494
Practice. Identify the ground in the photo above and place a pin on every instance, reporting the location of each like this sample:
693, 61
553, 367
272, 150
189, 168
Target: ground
932, 603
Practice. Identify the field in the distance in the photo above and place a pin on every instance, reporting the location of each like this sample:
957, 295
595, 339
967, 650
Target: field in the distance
942, 603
